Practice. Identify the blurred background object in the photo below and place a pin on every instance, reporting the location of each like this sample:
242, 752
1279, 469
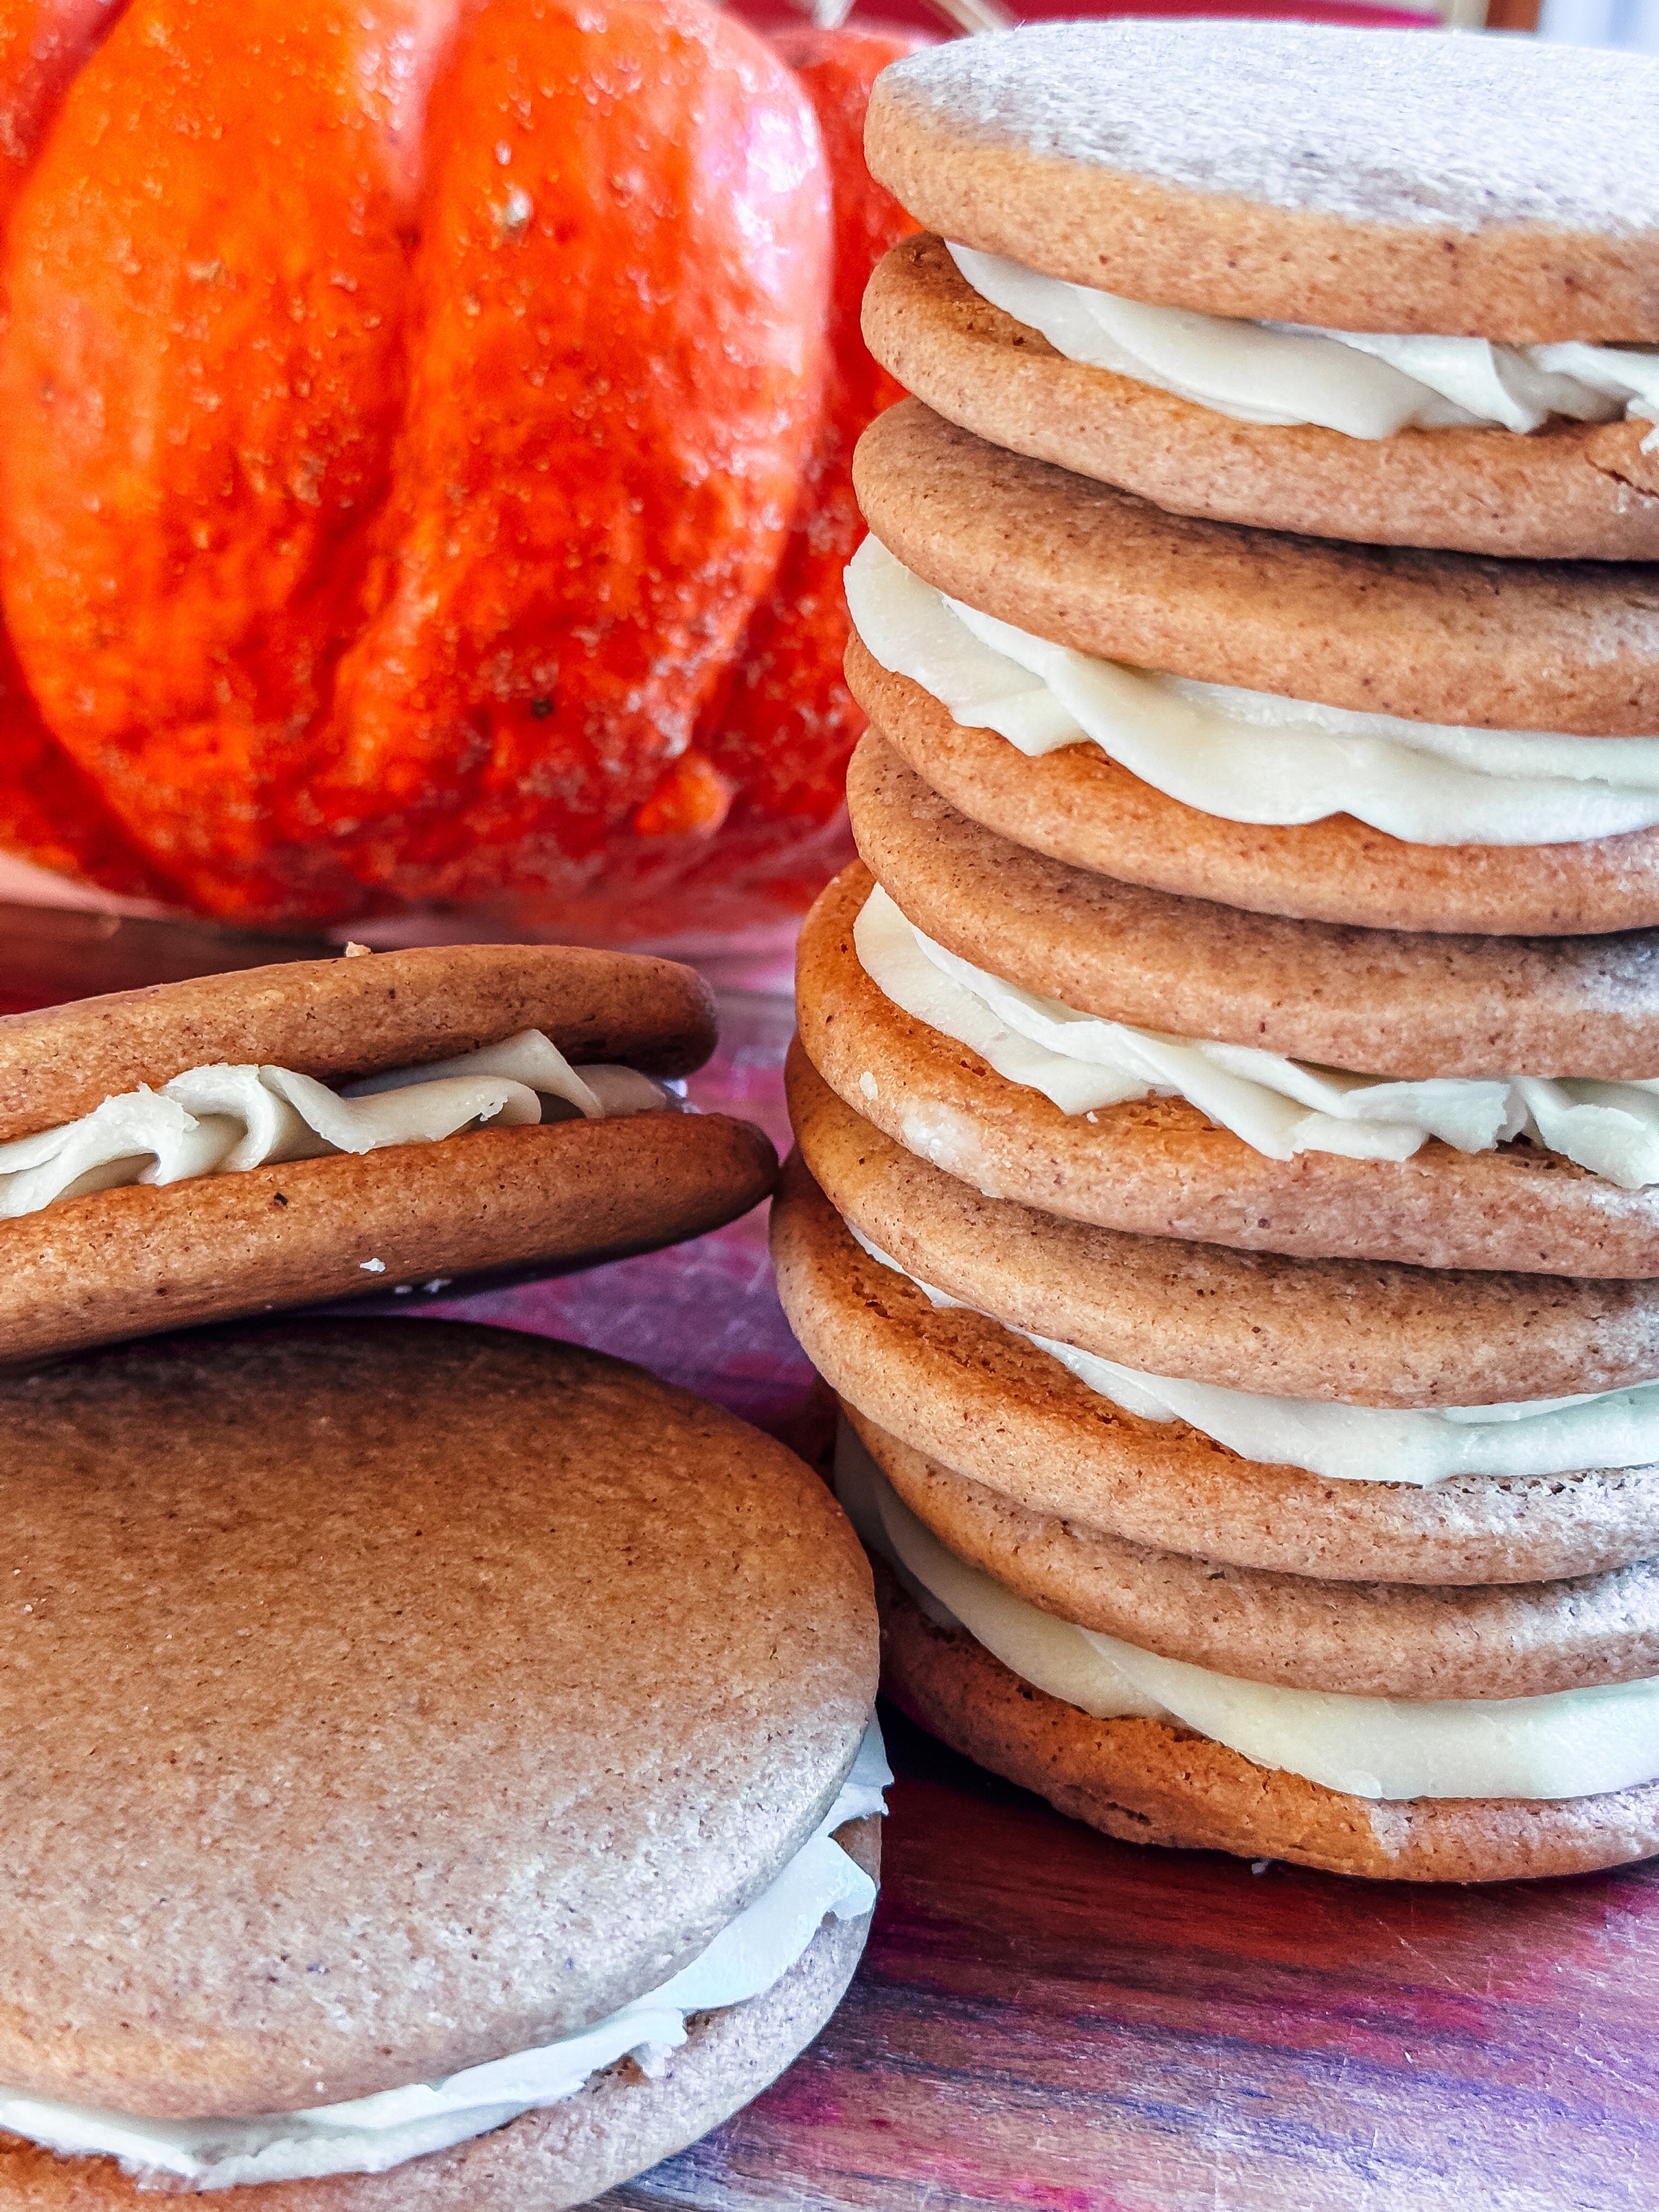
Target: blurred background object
1632, 23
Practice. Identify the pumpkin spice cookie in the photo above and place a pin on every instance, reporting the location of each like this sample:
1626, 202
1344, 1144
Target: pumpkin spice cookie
974, 1393
507, 1800
1152, 1780
283, 1135
1423, 325
1574, 491
1414, 1004
1079, 806
1363, 1638
1429, 637
1159, 1166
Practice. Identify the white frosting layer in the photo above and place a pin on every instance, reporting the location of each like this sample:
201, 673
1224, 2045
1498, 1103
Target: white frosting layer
1279, 1106
1367, 1443
371, 2134
1574, 1743
1366, 386
224, 1121
1252, 755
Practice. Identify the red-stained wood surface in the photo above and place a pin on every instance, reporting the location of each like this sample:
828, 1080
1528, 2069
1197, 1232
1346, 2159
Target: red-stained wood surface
1049, 2022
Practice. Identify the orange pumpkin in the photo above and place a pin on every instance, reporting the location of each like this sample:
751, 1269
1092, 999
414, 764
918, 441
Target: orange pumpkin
427, 479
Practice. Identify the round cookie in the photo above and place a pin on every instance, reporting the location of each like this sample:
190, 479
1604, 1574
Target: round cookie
1434, 637
1355, 1331
1156, 1167
532, 1198
1295, 173
1365, 1638
1081, 807
1401, 1003
1574, 491
961, 1388
621, 2123
1147, 1782
407, 1648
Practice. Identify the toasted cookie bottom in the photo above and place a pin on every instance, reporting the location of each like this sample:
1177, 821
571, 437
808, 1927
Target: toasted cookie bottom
129, 1262
1146, 1782
1571, 491
1079, 806
1362, 1639
973, 1395
1157, 1167
618, 2123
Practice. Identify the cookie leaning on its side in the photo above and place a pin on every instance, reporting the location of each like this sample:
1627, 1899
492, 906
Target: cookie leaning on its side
275, 1191
455, 1750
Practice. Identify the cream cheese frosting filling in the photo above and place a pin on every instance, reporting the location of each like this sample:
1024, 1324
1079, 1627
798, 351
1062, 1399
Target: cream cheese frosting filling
1366, 385
1363, 1443
1279, 1106
369, 2135
224, 1119
1572, 1743
1251, 755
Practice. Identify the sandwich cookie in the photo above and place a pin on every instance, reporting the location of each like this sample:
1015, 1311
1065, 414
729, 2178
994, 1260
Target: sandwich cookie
1570, 649
1058, 1432
1366, 1639
1289, 275
1076, 801
487, 1853
283, 1135
1156, 1750
1137, 1128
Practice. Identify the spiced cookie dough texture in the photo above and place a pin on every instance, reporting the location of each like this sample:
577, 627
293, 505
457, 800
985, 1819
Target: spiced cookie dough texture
1290, 275
242, 1143
527, 1855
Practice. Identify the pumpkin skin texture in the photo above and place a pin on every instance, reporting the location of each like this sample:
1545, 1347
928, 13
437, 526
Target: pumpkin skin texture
205, 360
433, 485
695, 860
42, 44
618, 309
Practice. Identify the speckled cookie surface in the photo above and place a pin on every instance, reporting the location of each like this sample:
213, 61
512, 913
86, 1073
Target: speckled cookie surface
1079, 806
1359, 1332
339, 1019
1436, 637
961, 1388
617, 2124
1149, 1782
128, 1263
409, 1652
1156, 1167
1397, 1002
1571, 492
1295, 172
1362, 1639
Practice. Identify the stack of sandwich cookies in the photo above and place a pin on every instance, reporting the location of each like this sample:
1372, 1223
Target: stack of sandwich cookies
409, 1817
283, 1135
1229, 1145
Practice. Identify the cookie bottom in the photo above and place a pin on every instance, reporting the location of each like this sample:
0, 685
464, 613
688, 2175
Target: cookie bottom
1146, 1782
619, 2124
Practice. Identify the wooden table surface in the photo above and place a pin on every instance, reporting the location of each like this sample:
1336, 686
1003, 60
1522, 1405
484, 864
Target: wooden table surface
1048, 2021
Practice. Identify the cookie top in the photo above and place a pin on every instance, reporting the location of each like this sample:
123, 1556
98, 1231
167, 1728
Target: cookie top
1569, 491
1433, 637
1406, 1004
388, 1682
1363, 1638
1356, 178
1357, 1332
976, 1397
341, 1020
1080, 805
